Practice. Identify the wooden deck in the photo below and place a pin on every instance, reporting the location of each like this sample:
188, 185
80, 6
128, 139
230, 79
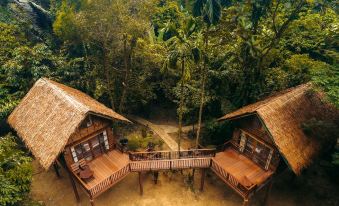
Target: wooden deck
105, 165
108, 169
239, 172
241, 167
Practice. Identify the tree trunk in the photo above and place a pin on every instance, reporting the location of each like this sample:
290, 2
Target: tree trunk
203, 82
181, 104
110, 86
125, 82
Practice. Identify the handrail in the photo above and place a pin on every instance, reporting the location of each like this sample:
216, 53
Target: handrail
169, 155
151, 165
174, 151
109, 181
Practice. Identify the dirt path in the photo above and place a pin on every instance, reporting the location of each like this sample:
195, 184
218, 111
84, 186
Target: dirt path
158, 129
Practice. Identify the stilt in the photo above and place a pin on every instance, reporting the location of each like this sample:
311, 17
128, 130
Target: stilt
56, 169
246, 202
91, 200
156, 175
202, 183
140, 184
74, 187
267, 193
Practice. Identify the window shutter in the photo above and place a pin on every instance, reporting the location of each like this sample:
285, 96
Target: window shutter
74, 155
106, 140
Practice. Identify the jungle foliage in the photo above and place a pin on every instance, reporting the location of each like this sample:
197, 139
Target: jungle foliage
208, 57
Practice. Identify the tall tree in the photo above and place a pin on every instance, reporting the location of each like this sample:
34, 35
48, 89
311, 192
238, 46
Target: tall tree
210, 12
182, 54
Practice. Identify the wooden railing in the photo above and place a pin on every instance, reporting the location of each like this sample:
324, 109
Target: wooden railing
149, 165
108, 182
170, 155
231, 180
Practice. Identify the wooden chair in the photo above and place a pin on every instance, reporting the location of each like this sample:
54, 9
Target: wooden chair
76, 167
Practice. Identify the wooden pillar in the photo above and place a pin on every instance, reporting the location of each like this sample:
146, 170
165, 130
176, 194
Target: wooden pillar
140, 184
56, 169
202, 180
74, 187
246, 202
156, 175
267, 193
91, 200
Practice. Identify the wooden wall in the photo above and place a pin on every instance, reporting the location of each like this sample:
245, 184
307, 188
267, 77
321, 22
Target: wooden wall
252, 124
84, 133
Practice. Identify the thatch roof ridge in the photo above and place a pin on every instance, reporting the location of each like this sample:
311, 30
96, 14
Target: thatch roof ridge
65, 96
87, 103
49, 114
254, 107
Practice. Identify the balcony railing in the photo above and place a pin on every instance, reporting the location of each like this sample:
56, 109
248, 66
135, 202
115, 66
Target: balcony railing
109, 181
149, 165
170, 155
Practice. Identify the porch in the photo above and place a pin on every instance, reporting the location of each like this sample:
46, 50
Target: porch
108, 169
239, 172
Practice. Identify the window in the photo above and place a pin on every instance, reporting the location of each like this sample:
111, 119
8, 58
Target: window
256, 150
91, 148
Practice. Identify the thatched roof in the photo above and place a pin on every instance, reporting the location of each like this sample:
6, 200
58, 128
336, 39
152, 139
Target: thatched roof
283, 115
49, 114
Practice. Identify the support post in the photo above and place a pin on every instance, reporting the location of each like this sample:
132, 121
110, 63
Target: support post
202, 183
74, 186
246, 202
91, 200
140, 184
267, 192
156, 175
56, 169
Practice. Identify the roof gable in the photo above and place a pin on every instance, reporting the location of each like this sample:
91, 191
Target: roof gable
49, 114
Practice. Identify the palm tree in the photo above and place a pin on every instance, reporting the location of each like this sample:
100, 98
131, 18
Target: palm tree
210, 12
182, 54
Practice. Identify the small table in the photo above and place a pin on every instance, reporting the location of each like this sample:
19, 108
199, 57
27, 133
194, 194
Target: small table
86, 174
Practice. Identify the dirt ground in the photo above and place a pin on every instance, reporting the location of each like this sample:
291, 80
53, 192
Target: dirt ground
172, 190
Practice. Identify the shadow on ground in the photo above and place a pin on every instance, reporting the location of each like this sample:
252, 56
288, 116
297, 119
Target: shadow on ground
172, 189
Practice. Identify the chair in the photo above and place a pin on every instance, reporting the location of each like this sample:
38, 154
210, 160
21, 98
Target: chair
76, 167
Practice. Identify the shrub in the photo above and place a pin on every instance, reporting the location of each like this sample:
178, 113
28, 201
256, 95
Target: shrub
15, 172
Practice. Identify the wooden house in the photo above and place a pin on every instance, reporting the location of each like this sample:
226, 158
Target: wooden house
63, 126
56, 121
269, 134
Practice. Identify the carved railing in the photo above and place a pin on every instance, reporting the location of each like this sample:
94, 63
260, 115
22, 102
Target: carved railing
170, 155
108, 182
231, 180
